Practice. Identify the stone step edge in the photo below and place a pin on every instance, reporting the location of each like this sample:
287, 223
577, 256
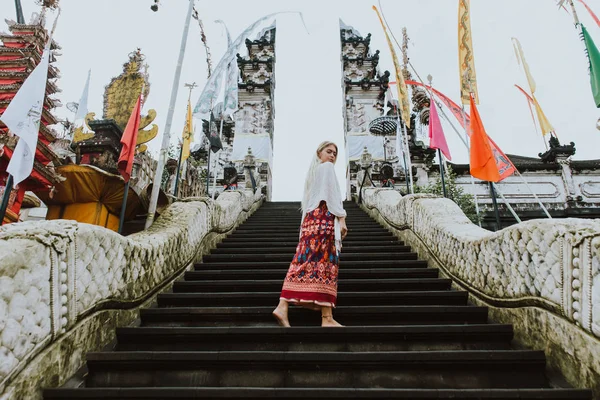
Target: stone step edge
315, 393
345, 310
286, 333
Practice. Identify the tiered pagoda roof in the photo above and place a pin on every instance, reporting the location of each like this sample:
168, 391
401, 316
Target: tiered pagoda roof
20, 53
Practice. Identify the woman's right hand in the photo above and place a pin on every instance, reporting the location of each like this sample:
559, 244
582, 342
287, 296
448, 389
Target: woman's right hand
343, 228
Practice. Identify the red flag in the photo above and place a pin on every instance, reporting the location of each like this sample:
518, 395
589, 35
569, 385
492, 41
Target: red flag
483, 163
129, 141
594, 16
437, 139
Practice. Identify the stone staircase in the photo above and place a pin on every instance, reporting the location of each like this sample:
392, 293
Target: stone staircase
408, 335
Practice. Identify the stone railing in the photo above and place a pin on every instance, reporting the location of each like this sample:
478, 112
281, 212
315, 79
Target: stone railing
57, 276
549, 266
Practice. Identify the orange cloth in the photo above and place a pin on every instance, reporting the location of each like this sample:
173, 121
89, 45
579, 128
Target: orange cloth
483, 163
90, 195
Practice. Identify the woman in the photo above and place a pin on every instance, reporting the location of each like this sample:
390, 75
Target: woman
311, 280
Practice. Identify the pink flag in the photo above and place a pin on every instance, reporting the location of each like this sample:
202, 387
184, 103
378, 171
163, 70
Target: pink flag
437, 140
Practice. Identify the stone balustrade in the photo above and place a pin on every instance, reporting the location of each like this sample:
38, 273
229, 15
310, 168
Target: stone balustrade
65, 285
542, 275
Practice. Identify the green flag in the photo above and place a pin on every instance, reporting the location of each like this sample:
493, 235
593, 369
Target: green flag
594, 58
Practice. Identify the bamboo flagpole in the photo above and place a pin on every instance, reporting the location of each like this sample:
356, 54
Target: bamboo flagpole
162, 156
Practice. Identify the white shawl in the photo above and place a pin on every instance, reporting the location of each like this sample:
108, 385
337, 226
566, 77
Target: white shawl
326, 187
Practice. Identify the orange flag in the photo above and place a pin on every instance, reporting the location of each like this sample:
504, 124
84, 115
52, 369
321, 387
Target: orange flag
129, 141
483, 163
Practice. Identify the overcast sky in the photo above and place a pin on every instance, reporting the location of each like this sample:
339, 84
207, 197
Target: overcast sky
100, 35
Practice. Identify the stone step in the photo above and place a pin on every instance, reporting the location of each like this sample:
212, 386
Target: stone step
295, 234
268, 298
265, 220
285, 264
290, 248
346, 315
350, 239
298, 217
235, 245
295, 223
221, 393
387, 286
344, 256
295, 229
372, 273
349, 339
424, 369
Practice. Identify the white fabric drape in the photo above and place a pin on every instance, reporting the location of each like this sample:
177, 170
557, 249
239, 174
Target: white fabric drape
326, 188
357, 143
260, 145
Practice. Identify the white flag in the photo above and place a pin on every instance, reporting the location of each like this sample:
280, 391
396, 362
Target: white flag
82, 108
231, 88
212, 89
23, 116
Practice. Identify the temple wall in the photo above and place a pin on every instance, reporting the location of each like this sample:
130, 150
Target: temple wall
67, 285
542, 276
549, 186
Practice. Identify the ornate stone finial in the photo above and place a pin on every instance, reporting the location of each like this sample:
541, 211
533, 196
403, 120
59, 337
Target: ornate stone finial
122, 92
557, 151
366, 159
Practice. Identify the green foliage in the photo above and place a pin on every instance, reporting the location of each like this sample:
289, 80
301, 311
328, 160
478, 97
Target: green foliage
465, 201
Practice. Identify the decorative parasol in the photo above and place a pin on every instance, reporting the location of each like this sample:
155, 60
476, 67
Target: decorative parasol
384, 126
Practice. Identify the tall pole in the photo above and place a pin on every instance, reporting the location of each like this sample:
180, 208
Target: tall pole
400, 140
576, 18
408, 160
442, 173
5, 198
208, 171
495, 203
123, 207
167, 132
178, 172
20, 18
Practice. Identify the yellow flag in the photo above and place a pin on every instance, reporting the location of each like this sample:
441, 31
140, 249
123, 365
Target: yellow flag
400, 83
466, 60
545, 125
187, 134
522, 61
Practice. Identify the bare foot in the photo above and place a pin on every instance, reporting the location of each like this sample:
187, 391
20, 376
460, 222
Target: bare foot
281, 318
328, 321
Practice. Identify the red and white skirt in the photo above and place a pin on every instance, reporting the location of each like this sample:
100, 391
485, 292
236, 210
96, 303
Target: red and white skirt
313, 273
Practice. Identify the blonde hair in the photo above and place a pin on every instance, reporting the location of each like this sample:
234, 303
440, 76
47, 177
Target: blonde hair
312, 171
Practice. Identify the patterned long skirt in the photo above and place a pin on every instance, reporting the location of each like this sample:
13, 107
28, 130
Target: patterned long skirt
313, 273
